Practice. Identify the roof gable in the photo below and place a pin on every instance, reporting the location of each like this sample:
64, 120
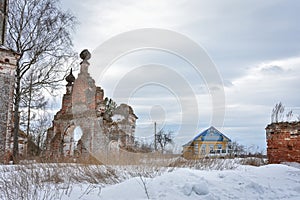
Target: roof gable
211, 134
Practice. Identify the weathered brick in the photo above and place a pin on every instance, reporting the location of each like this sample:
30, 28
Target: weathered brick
283, 142
8, 61
81, 107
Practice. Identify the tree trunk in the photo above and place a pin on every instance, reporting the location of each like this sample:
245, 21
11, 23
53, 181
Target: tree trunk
38, 145
29, 107
16, 119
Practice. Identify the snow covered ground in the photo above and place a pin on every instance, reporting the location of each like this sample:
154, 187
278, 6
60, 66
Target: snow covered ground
243, 182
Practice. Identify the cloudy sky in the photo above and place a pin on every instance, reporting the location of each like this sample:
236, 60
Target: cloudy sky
253, 45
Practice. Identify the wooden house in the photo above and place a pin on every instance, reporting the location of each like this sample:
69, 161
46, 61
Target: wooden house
210, 142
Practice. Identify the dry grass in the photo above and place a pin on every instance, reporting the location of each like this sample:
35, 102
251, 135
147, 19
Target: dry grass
54, 180
206, 164
254, 161
132, 158
33, 182
217, 163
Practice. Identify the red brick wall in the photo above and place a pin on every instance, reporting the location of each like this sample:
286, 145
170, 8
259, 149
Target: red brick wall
66, 104
283, 140
84, 93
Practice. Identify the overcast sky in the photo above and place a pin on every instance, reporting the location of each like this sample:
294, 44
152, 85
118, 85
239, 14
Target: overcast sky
254, 45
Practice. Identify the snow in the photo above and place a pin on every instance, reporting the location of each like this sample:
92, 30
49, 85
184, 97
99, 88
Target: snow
273, 181
245, 182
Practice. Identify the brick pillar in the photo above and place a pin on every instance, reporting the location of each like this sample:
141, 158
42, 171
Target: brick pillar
7, 71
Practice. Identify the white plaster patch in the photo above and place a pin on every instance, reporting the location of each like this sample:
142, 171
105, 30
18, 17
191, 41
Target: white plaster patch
117, 118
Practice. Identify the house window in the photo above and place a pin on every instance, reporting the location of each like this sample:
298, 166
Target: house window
211, 148
219, 148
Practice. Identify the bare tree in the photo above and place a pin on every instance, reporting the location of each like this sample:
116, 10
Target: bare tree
32, 100
277, 113
163, 139
39, 31
143, 146
289, 115
237, 149
34, 119
39, 130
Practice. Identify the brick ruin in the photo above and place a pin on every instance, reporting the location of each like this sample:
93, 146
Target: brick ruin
283, 141
8, 64
83, 126
8, 60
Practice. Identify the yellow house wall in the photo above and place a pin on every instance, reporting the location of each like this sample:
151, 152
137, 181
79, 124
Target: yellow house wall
189, 151
215, 144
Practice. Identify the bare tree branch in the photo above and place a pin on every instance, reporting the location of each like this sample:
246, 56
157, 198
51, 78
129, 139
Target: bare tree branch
40, 32
163, 139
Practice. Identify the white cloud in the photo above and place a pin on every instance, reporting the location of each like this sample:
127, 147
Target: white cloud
251, 98
248, 40
268, 82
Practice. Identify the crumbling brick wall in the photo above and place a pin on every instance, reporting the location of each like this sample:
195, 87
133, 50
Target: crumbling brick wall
83, 108
79, 109
283, 142
8, 61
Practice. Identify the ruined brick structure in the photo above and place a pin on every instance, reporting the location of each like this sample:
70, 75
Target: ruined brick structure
8, 61
283, 140
83, 126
